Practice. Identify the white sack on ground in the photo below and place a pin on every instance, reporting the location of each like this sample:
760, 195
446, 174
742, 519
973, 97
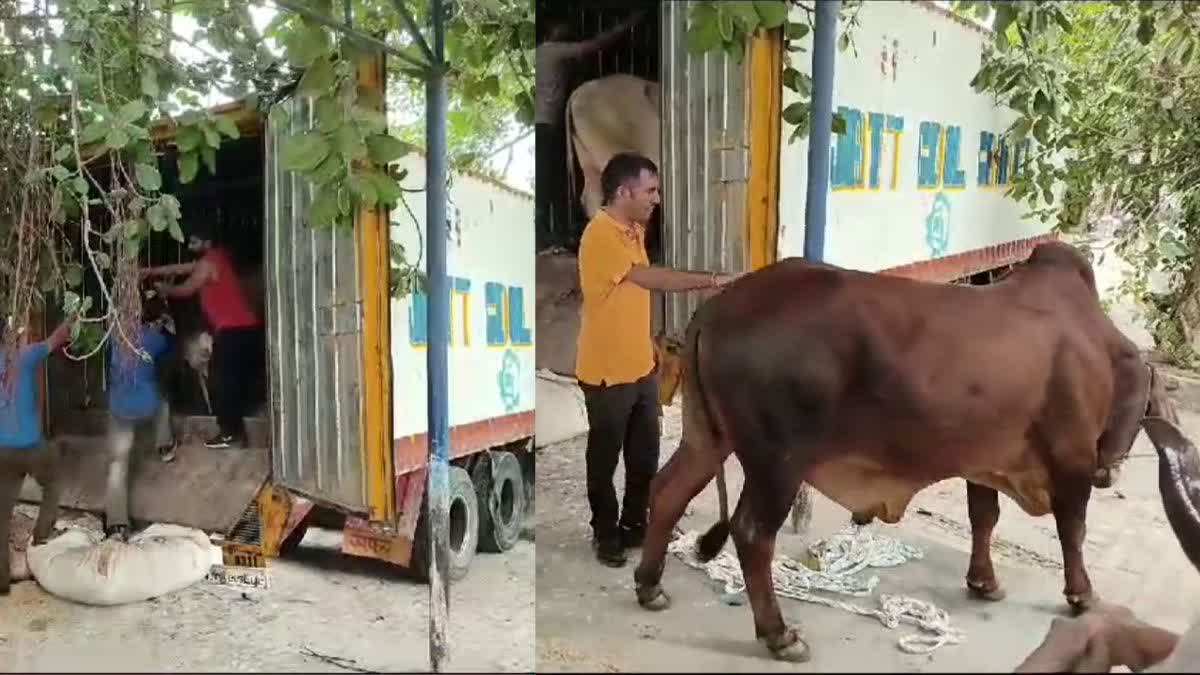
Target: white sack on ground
561, 413
82, 566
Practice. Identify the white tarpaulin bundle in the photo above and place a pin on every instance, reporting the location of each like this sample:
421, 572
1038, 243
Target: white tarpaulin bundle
82, 566
561, 411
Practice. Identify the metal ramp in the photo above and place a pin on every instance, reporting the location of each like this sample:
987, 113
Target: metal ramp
209, 490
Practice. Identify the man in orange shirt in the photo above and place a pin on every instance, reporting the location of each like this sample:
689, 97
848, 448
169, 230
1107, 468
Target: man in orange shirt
615, 363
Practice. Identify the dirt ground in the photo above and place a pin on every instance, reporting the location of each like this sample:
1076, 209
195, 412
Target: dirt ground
325, 612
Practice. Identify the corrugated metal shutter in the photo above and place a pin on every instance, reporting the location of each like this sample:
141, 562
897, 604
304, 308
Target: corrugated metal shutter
314, 321
705, 160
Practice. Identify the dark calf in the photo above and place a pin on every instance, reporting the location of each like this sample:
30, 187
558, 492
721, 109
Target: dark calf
42, 463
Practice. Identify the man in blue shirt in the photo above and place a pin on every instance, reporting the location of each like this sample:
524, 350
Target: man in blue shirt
23, 450
136, 408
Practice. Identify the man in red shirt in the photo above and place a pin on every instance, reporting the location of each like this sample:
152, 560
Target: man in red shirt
239, 343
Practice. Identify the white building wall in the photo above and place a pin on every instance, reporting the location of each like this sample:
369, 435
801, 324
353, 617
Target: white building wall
913, 68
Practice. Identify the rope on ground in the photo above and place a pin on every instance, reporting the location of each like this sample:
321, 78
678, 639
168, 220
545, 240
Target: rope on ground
839, 559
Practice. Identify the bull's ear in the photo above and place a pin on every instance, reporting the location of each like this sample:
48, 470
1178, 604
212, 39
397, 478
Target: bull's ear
1159, 403
1178, 482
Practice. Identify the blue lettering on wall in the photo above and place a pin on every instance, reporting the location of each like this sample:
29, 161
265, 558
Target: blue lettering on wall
462, 316
877, 122
493, 297
953, 176
880, 125
418, 311
418, 327
506, 322
1020, 154
847, 170
518, 332
1002, 173
856, 159
986, 140
929, 145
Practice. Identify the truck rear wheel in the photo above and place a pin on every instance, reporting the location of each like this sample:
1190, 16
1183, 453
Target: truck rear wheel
463, 530
500, 488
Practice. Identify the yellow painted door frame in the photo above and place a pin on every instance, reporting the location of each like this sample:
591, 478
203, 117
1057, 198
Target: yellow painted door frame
765, 100
372, 228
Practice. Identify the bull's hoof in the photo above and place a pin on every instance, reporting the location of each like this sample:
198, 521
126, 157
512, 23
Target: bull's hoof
862, 519
653, 598
1081, 602
1105, 478
983, 591
789, 647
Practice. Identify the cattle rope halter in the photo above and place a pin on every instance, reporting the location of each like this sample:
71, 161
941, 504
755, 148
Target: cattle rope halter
840, 558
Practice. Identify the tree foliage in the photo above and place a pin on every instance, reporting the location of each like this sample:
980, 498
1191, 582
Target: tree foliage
1110, 90
490, 43
727, 26
85, 83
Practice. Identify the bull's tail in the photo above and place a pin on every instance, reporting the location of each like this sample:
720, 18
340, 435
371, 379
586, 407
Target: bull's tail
712, 541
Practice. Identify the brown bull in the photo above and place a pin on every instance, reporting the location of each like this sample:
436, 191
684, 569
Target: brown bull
871, 388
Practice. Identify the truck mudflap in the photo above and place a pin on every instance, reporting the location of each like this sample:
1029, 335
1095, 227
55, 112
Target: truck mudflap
205, 489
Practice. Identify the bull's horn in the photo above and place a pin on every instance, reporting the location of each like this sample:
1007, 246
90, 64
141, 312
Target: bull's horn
1178, 482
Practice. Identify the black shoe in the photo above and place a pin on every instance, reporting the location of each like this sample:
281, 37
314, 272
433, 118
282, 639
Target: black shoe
220, 442
609, 551
632, 537
117, 532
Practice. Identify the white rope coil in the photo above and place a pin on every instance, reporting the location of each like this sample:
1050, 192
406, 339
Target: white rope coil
837, 560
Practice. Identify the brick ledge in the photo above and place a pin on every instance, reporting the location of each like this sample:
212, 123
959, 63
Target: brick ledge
959, 265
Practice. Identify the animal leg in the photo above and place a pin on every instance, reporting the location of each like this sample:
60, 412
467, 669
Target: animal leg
10, 485
47, 473
675, 485
204, 390
761, 510
1069, 504
983, 508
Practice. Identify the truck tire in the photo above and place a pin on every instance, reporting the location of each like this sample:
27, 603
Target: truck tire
500, 488
463, 534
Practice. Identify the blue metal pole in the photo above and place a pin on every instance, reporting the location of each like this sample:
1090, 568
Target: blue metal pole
437, 494
823, 55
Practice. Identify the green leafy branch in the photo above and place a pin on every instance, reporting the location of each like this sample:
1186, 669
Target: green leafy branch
728, 26
349, 139
1109, 90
